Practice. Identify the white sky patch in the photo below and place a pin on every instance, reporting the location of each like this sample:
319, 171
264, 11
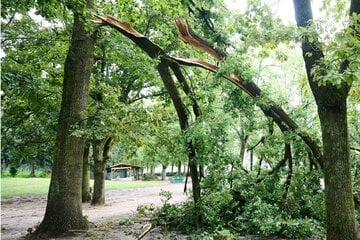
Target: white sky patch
39, 19
281, 8
2, 53
42, 21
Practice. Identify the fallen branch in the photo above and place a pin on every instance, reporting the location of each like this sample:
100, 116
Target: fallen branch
147, 227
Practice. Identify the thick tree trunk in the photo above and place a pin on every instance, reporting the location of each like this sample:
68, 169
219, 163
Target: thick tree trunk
101, 153
98, 197
340, 215
86, 193
332, 111
64, 205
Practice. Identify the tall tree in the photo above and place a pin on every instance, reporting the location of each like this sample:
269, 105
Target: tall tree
31, 85
64, 205
331, 100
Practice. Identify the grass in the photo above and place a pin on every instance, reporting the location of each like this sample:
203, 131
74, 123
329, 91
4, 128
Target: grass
25, 186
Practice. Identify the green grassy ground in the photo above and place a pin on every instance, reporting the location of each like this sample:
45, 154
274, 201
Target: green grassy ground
23, 186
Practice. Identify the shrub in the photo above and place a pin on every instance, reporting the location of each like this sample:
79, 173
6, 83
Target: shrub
13, 171
149, 177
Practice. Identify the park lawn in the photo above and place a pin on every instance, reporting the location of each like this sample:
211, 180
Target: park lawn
24, 186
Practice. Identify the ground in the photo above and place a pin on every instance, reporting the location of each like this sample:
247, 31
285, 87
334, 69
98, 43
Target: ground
21, 214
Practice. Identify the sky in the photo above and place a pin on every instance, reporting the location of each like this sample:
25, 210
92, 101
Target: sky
282, 8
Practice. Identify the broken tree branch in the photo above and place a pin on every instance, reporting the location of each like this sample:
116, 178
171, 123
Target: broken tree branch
188, 36
272, 110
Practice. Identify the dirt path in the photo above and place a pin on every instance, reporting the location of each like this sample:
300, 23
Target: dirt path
21, 213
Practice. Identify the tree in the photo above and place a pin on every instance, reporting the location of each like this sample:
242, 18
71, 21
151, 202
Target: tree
115, 107
64, 205
331, 97
31, 82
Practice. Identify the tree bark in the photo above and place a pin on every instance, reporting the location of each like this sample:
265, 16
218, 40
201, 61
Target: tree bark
64, 204
340, 216
101, 154
107, 148
332, 111
86, 193
98, 197
179, 168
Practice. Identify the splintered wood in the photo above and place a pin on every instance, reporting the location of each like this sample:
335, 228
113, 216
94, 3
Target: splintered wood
238, 81
120, 25
186, 35
189, 37
126, 29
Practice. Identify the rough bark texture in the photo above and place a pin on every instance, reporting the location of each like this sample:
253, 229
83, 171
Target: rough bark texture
64, 205
98, 197
340, 214
86, 193
331, 103
101, 155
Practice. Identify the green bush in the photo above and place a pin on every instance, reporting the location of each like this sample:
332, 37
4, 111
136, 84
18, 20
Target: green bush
13, 171
217, 208
252, 208
149, 177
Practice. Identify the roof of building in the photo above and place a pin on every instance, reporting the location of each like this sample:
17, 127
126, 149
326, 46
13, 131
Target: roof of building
123, 165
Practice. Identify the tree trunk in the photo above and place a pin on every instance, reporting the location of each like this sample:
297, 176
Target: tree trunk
107, 147
340, 215
86, 192
243, 140
288, 157
64, 205
251, 160
163, 172
179, 168
332, 111
99, 174
32, 169
163, 69
194, 174
101, 153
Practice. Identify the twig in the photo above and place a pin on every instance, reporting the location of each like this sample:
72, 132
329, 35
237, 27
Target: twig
147, 229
